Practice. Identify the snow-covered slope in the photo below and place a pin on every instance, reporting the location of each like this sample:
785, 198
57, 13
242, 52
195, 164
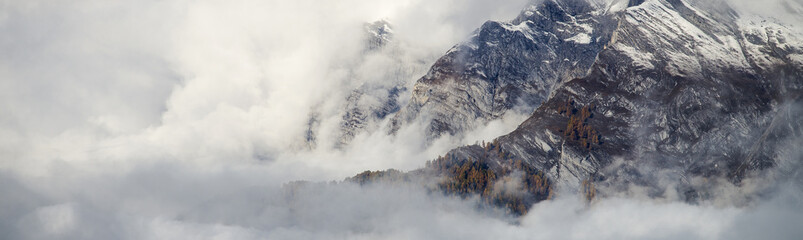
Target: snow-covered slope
684, 99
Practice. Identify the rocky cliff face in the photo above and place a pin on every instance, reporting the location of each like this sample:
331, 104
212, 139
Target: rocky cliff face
508, 64
667, 98
680, 100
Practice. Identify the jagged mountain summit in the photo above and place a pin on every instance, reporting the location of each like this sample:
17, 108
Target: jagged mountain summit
505, 65
679, 100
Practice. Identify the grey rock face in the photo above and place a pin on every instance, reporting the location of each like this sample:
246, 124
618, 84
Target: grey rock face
508, 64
367, 106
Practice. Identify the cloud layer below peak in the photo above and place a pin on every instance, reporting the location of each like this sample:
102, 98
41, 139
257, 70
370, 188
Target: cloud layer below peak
182, 119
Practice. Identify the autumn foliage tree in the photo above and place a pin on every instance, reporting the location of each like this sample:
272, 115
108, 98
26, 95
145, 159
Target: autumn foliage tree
387, 176
578, 130
467, 177
589, 190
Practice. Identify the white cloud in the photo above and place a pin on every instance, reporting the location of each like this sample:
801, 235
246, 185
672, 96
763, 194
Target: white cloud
177, 119
165, 201
199, 81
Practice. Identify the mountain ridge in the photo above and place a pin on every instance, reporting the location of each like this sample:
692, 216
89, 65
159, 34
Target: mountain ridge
681, 102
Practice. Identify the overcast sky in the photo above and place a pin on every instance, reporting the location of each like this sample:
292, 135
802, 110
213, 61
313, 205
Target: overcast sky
182, 120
